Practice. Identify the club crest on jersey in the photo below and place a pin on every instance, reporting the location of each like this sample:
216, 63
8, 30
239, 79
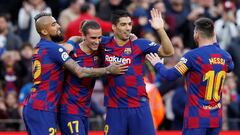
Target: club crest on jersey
127, 51
95, 59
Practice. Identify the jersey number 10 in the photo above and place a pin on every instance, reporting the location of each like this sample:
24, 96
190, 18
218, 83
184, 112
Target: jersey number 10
214, 84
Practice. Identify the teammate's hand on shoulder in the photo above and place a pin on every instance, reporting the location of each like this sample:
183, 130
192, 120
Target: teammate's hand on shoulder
156, 19
154, 58
133, 37
76, 39
68, 47
114, 68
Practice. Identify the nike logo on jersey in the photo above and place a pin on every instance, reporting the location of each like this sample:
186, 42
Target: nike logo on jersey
107, 50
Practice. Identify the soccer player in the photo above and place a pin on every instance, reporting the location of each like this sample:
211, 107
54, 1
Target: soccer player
74, 108
49, 58
128, 111
205, 68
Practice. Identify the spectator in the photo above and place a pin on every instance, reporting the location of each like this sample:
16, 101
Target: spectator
178, 105
12, 111
233, 49
71, 13
26, 19
106, 7
87, 13
11, 71
26, 53
8, 40
226, 27
25, 90
3, 112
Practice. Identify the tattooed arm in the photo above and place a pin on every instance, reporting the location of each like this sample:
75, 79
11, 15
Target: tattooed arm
81, 72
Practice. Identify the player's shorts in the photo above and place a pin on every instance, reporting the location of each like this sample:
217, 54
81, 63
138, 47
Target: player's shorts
201, 131
39, 122
73, 124
129, 121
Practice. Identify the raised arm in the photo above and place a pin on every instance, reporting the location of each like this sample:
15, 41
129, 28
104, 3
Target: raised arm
157, 23
82, 72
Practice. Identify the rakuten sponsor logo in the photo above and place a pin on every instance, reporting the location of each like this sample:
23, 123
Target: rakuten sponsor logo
118, 59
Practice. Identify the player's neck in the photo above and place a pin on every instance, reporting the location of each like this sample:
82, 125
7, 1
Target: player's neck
119, 41
206, 42
84, 48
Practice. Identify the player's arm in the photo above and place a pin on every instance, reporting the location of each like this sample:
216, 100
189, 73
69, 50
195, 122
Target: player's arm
59, 55
157, 23
230, 64
69, 45
81, 72
171, 74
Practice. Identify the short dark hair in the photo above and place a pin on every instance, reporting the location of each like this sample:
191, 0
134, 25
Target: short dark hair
205, 26
41, 15
89, 24
26, 44
118, 14
72, 1
85, 8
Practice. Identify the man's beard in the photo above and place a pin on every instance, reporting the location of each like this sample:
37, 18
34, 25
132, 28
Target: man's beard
57, 38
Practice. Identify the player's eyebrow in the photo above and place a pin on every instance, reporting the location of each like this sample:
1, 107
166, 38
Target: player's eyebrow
53, 23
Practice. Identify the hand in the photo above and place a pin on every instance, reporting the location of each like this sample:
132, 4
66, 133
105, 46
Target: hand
68, 47
133, 37
28, 7
156, 19
76, 39
154, 58
116, 68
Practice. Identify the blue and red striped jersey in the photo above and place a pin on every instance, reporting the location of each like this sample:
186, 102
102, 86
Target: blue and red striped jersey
126, 90
48, 60
76, 97
205, 70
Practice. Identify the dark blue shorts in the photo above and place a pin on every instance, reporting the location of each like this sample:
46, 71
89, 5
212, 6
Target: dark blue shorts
129, 121
39, 122
73, 124
201, 131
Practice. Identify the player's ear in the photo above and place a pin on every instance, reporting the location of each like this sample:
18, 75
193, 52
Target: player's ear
113, 27
44, 32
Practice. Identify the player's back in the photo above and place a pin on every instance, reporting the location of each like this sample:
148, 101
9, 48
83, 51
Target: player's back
48, 59
208, 66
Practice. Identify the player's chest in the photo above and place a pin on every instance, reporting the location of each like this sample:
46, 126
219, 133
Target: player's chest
124, 55
87, 60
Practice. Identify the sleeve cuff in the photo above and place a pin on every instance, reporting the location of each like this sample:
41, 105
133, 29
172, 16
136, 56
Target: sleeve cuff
71, 42
158, 66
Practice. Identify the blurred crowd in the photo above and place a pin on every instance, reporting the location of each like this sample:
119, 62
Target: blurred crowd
18, 37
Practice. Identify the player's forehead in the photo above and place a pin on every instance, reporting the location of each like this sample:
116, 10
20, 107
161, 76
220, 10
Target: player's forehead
94, 32
124, 20
51, 20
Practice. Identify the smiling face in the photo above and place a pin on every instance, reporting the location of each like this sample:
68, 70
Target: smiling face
93, 38
123, 28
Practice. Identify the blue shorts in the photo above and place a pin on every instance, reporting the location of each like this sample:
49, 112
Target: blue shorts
129, 121
39, 122
73, 124
201, 131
